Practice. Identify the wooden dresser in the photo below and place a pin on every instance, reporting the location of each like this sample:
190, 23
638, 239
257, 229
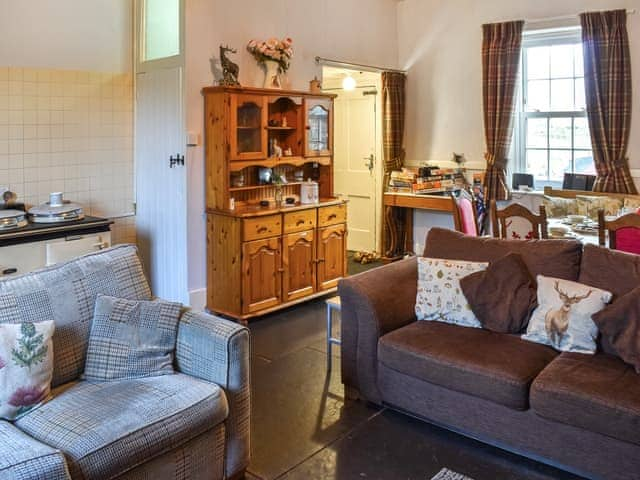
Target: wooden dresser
263, 258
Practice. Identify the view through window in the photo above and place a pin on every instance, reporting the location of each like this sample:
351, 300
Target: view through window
554, 132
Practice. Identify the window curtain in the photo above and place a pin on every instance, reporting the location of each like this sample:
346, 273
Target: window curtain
501, 45
393, 108
607, 82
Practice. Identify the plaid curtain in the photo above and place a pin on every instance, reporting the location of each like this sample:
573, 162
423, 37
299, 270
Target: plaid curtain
607, 82
501, 43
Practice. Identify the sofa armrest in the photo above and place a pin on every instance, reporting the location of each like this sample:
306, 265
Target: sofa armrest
373, 303
218, 351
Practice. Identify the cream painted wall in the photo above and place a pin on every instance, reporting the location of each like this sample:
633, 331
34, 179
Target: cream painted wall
439, 43
89, 35
362, 31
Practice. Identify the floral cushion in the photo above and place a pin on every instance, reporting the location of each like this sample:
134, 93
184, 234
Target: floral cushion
631, 204
439, 294
589, 205
558, 207
26, 366
563, 317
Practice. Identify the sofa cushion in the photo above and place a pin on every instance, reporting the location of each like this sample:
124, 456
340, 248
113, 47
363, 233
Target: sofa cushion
22, 457
105, 429
553, 258
494, 366
598, 392
66, 293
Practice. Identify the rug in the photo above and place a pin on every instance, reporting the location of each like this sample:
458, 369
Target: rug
446, 474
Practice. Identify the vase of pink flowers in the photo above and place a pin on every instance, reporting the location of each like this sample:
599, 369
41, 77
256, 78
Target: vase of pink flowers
275, 56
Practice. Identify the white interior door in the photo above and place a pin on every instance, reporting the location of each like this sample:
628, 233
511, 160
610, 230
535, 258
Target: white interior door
160, 134
355, 164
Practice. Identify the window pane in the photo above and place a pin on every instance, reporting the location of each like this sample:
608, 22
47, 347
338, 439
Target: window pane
559, 163
577, 59
561, 95
580, 101
560, 133
561, 61
538, 95
537, 163
537, 62
537, 132
583, 162
581, 137
161, 29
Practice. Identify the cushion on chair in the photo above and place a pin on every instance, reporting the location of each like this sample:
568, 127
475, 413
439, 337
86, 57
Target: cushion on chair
494, 366
105, 429
628, 240
22, 457
553, 258
467, 218
66, 293
598, 392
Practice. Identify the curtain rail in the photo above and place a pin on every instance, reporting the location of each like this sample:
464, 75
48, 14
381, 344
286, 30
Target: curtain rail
355, 66
630, 11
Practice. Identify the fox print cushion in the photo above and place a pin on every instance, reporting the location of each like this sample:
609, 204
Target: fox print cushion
439, 295
26, 367
563, 317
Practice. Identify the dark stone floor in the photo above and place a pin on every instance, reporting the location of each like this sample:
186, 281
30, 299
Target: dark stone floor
302, 427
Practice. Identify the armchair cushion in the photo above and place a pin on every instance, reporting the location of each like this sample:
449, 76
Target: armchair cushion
105, 429
24, 458
217, 350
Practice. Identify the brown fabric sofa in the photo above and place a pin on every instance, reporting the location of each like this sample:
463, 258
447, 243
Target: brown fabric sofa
577, 412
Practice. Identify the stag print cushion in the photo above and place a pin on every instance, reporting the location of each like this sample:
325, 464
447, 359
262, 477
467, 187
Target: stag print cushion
439, 296
563, 317
26, 366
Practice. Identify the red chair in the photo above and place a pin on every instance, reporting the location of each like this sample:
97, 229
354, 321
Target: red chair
624, 232
465, 214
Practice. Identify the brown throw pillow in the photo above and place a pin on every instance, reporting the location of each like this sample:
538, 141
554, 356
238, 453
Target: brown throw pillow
619, 325
503, 296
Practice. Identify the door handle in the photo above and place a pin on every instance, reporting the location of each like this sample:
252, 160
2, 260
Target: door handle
369, 162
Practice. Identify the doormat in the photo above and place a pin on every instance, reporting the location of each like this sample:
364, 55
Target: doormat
446, 474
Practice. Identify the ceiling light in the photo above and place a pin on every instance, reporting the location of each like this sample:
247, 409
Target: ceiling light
348, 83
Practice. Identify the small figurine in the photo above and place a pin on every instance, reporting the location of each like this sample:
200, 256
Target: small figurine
284, 121
288, 152
230, 70
276, 150
315, 86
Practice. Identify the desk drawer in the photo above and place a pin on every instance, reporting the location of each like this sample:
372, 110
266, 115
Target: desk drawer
300, 220
261, 227
332, 215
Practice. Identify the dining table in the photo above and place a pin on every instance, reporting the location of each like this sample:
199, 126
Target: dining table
576, 231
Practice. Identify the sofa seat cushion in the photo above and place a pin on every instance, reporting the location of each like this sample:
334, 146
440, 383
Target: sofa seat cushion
495, 366
105, 429
598, 392
25, 458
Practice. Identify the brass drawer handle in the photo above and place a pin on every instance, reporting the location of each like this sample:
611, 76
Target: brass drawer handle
299, 222
262, 229
332, 216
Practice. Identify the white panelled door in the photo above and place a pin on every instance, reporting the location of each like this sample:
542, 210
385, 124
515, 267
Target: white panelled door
355, 164
161, 189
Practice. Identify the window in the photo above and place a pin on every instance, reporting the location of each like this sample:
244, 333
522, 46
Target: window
161, 29
553, 132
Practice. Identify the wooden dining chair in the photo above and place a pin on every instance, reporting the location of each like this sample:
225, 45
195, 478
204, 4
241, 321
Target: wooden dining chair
502, 222
624, 232
465, 213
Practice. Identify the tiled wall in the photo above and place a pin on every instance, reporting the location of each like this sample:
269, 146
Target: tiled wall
69, 131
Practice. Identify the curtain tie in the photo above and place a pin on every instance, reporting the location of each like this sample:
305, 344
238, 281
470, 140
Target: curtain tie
490, 158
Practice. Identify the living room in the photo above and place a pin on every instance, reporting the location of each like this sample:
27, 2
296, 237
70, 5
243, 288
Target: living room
359, 239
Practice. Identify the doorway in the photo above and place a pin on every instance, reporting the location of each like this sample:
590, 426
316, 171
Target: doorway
357, 152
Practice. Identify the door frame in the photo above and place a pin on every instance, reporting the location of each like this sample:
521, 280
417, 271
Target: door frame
379, 162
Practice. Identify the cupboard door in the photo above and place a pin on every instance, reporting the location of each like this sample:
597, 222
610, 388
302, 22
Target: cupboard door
248, 127
318, 133
261, 274
298, 261
332, 259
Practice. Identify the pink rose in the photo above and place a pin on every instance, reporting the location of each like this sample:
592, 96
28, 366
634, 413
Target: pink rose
252, 44
27, 396
272, 42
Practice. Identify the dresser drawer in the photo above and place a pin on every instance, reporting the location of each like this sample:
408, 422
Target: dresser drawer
261, 227
300, 220
332, 215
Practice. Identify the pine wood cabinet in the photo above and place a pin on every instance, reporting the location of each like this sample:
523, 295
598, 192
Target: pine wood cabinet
264, 257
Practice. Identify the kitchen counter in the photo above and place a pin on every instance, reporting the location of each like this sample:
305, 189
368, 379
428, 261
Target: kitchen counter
246, 211
45, 231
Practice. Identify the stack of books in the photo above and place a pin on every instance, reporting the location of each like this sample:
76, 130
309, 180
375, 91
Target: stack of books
439, 180
402, 180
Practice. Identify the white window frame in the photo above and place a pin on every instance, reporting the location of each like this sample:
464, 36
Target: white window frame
536, 38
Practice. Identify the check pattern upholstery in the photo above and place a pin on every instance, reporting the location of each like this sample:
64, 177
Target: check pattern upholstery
66, 293
218, 351
131, 339
23, 458
105, 429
